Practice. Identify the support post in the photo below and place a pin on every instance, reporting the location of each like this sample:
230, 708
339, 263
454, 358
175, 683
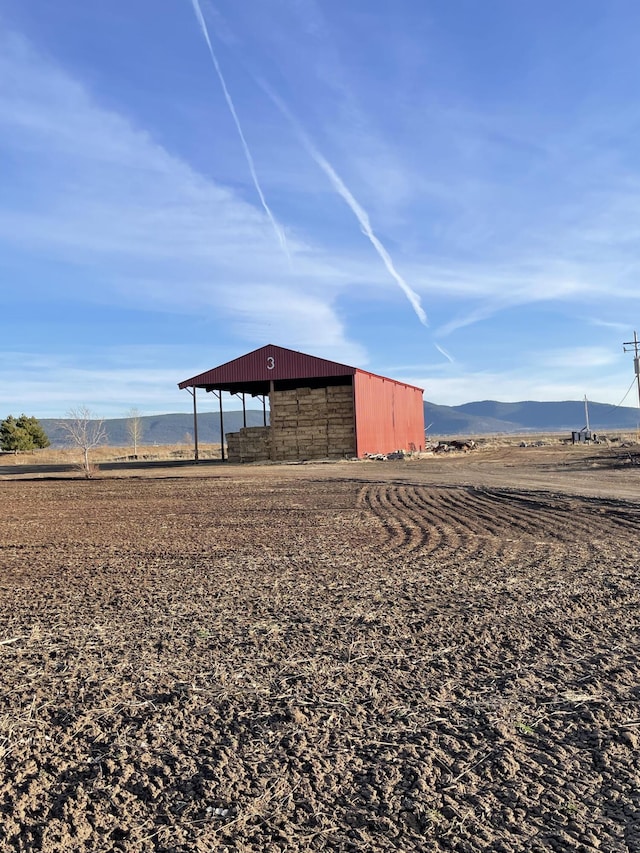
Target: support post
264, 409
244, 412
196, 454
586, 414
221, 427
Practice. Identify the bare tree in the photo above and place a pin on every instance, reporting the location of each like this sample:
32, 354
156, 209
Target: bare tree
134, 428
85, 431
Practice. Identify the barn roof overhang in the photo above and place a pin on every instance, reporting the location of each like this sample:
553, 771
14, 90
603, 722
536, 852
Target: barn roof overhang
254, 372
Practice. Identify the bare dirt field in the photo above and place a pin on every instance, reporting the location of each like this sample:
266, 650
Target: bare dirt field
431, 655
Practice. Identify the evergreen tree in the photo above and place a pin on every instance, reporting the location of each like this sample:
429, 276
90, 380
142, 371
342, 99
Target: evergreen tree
9, 436
22, 434
33, 428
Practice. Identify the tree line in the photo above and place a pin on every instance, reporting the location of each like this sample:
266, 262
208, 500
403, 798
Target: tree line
83, 430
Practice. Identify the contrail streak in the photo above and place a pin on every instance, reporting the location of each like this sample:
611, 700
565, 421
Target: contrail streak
360, 213
443, 351
247, 153
365, 225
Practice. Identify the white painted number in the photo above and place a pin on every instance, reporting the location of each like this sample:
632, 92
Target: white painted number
270, 362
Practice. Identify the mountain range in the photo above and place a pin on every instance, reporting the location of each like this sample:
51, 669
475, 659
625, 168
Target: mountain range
485, 417
490, 417
161, 429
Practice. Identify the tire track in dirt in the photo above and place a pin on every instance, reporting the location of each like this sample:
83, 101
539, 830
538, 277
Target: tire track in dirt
623, 516
438, 522
403, 531
460, 531
454, 504
533, 515
450, 534
445, 521
510, 532
587, 524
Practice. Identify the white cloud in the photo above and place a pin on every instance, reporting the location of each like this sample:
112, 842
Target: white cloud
484, 213
99, 378
106, 200
514, 386
564, 374
108, 191
621, 328
572, 357
307, 318
111, 380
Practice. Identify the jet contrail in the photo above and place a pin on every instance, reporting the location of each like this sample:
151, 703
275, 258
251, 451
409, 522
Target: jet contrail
365, 225
360, 213
443, 351
247, 153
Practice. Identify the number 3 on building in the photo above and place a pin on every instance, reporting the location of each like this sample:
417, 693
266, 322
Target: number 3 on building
270, 362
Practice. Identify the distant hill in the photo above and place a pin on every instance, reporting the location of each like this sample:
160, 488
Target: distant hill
481, 418
162, 429
489, 416
448, 420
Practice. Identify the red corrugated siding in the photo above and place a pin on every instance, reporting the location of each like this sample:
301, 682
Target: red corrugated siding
389, 415
255, 367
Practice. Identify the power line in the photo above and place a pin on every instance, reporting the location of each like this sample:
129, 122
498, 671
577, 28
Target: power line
633, 382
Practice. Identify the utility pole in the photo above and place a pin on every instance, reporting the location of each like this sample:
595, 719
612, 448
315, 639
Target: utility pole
586, 414
635, 343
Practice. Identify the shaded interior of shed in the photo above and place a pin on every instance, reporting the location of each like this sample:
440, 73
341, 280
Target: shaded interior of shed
262, 388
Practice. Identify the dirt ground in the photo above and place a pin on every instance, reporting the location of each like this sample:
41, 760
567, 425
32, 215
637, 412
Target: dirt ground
431, 655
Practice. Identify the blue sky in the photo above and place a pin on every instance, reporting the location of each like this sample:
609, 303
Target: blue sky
474, 164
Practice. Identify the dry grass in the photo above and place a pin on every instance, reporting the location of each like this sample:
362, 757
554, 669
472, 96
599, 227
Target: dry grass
106, 453
180, 450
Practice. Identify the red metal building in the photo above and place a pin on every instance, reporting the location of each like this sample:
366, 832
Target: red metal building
387, 415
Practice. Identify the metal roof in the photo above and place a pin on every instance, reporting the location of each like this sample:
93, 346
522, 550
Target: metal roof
253, 372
